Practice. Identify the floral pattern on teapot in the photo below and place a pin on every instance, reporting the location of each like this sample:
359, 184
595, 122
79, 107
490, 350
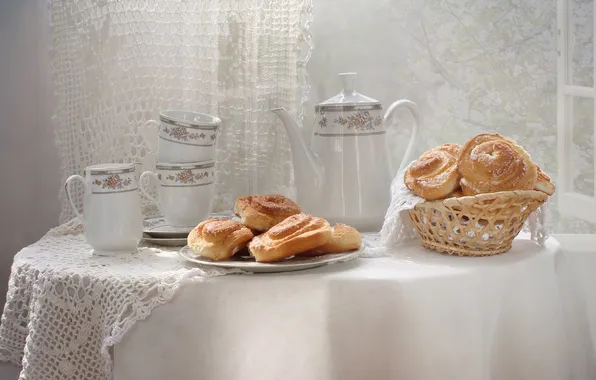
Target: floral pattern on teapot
361, 121
351, 122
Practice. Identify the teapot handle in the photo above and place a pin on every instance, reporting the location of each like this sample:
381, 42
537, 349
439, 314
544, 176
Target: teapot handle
417, 125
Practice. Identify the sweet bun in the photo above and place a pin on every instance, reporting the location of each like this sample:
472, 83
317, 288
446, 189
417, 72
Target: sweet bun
219, 239
434, 174
296, 234
261, 212
456, 194
491, 163
452, 149
543, 183
343, 239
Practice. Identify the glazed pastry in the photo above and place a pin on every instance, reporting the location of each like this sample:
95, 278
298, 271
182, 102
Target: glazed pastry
219, 239
296, 234
434, 174
343, 239
543, 183
456, 194
491, 163
452, 149
261, 212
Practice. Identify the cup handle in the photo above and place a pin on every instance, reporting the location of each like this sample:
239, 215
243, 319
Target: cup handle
150, 134
142, 186
69, 197
413, 108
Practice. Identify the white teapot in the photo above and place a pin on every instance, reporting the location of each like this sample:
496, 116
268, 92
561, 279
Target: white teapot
345, 175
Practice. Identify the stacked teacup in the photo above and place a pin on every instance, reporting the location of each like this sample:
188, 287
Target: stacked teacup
185, 168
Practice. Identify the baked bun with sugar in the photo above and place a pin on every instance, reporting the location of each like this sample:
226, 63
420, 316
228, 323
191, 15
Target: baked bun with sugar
543, 183
343, 239
219, 239
452, 149
434, 174
491, 163
296, 234
261, 212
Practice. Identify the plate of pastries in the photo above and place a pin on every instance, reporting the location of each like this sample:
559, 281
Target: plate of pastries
270, 233
477, 195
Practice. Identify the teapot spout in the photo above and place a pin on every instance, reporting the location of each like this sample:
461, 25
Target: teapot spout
307, 170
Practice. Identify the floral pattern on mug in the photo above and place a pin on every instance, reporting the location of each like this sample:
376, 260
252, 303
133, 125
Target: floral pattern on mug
360, 121
113, 182
187, 176
182, 134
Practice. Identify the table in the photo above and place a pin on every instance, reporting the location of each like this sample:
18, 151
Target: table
415, 315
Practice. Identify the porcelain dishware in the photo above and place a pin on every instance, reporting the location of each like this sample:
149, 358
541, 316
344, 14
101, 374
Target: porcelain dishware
111, 208
250, 265
158, 228
182, 136
345, 174
186, 191
165, 242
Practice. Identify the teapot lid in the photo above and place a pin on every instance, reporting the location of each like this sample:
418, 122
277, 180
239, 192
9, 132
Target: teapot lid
348, 96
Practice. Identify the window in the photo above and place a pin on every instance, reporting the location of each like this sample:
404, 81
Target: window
575, 109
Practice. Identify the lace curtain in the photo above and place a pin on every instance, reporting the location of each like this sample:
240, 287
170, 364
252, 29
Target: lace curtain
116, 64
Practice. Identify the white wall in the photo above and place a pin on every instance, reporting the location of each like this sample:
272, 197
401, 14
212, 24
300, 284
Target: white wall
29, 167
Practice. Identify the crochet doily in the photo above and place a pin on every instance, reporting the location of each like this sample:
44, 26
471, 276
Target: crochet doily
66, 308
398, 228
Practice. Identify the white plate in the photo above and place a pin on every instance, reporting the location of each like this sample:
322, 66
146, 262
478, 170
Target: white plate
165, 242
248, 264
158, 228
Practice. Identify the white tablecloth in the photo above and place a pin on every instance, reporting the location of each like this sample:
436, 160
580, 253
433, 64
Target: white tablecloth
417, 315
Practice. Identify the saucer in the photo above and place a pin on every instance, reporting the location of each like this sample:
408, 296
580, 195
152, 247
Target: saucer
165, 242
158, 228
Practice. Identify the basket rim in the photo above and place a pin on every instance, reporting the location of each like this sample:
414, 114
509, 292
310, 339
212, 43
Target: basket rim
455, 201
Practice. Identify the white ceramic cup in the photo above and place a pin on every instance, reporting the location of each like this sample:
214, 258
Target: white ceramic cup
184, 136
186, 191
111, 208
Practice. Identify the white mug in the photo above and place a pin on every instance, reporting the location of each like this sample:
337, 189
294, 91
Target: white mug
183, 136
111, 206
186, 191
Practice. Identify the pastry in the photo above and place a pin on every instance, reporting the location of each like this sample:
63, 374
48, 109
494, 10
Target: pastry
456, 194
452, 149
343, 239
261, 212
295, 234
491, 163
543, 183
219, 239
434, 174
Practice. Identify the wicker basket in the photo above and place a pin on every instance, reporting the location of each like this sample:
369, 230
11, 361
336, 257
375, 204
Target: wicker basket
481, 225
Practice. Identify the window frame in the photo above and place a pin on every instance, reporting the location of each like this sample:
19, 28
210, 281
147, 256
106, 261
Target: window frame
570, 203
